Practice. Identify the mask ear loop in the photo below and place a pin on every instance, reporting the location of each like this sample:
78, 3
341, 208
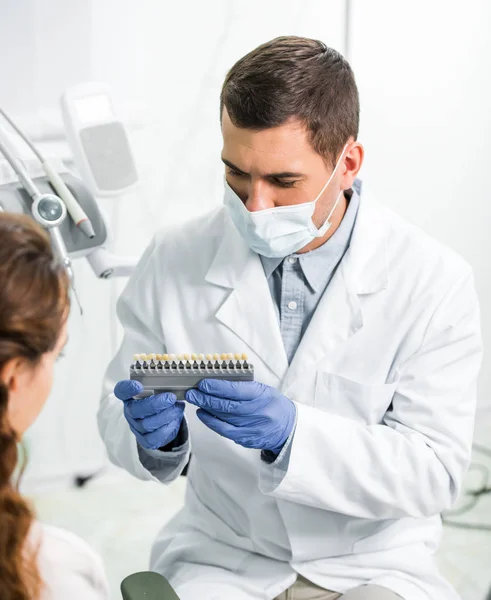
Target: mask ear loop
327, 223
332, 174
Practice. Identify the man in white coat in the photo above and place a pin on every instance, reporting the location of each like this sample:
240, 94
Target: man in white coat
324, 478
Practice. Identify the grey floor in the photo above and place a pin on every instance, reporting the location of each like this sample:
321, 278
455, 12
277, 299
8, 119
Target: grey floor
120, 516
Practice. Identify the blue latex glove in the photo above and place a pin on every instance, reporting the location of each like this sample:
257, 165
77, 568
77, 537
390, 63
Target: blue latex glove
251, 414
154, 420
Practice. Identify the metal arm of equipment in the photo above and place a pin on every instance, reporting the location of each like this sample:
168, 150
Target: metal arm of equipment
50, 211
60, 249
47, 209
18, 167
76, 212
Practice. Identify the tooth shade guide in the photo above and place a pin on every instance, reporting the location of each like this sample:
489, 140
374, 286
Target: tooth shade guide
178, 374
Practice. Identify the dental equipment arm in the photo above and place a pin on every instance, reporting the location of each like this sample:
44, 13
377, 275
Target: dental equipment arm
47, 209
77, 213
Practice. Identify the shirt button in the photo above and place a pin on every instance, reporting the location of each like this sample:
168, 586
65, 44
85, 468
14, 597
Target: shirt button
292, 259
292, 305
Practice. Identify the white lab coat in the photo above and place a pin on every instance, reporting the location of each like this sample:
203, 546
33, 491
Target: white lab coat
384, 384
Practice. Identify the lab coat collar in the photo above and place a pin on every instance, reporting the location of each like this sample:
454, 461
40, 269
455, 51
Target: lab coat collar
365, 264
231, 257
248, 310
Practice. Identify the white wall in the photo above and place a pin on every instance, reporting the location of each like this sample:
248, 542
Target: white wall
424, 73
423, 70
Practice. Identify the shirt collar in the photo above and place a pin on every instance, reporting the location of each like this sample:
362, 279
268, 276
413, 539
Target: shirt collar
317, 264
270, 264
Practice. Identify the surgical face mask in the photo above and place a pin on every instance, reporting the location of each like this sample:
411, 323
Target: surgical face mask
282, 230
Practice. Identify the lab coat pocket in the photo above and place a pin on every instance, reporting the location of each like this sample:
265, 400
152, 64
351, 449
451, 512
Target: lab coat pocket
363, 402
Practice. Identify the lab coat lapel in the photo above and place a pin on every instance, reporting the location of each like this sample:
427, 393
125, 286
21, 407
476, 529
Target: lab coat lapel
339, 314
248, 310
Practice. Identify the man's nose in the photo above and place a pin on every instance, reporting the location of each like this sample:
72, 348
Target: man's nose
258, 198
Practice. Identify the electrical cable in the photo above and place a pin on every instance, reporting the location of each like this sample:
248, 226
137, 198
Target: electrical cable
474, 495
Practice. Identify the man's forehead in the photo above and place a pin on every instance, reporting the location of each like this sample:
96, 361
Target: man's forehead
266, 163
280, 140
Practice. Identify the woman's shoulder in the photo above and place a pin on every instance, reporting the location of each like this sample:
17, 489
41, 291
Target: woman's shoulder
68, 565
57, 541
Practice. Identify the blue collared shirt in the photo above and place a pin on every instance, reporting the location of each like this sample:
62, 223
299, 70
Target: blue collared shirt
298, 281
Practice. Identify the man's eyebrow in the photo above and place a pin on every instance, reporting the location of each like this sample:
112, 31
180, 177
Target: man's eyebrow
282, 175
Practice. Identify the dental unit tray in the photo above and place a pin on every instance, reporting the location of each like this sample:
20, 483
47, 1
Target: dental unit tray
170, 373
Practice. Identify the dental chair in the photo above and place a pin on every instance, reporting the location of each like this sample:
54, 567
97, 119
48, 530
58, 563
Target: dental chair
147, 586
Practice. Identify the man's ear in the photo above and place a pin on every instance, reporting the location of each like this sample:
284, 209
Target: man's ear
352, 162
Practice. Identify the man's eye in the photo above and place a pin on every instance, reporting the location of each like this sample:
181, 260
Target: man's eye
284, 184
60, 355
234, 173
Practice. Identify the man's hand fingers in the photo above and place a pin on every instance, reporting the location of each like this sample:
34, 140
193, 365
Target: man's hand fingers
221, 427
156, 421
126, 389
215, 405
139, 409
232, 390
160, 437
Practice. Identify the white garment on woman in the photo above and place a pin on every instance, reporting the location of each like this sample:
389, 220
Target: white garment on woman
69, 568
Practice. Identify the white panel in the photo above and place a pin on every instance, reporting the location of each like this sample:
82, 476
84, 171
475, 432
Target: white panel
117, 47
424, 74
18, 90
62, 57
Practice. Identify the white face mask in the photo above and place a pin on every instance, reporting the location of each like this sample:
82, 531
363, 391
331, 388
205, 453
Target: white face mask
282, 230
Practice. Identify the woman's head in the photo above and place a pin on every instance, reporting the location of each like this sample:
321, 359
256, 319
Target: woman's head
33, 313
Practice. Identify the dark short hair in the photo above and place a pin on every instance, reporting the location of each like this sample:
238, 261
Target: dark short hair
295, 77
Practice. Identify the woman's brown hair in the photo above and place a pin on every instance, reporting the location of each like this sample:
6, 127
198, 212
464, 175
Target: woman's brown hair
33, 308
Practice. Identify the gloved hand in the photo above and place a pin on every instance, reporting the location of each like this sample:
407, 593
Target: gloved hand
154, 420
251, 414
